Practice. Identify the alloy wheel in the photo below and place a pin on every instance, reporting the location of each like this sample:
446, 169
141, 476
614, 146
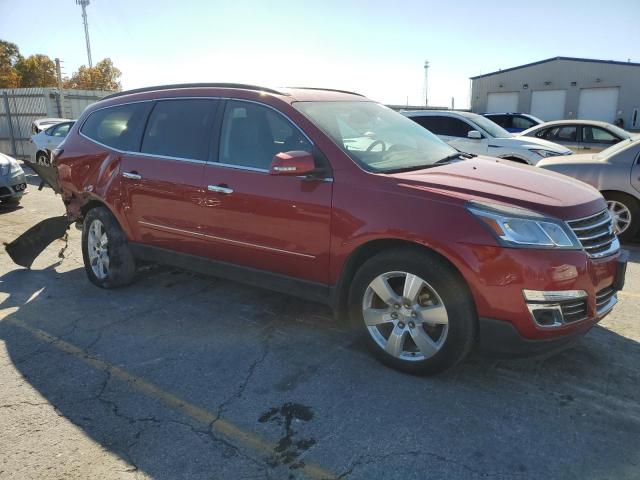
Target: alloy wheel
621, 216
98, 249
405, 316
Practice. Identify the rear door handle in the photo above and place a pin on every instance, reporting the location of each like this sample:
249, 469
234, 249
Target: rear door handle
220, 189
132, 175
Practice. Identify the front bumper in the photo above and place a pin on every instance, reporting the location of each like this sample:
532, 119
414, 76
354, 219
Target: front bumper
499, 277
13, 186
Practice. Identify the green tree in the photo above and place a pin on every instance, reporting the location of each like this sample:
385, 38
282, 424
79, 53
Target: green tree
104, 76
37, 71
9, 56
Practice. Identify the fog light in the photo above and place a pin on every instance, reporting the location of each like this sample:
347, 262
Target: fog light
547, 317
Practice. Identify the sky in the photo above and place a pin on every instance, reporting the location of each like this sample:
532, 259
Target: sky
374, 47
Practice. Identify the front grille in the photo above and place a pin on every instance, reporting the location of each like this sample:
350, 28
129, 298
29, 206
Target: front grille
573, 311
5, 191
595, 233
603, 298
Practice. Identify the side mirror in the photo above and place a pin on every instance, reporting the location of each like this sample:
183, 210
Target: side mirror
474, 134
292, 164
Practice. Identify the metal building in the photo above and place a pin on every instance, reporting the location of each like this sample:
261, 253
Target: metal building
563, 87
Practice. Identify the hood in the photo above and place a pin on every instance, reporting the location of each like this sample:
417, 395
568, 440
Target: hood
582, 158
487, 179
529, 143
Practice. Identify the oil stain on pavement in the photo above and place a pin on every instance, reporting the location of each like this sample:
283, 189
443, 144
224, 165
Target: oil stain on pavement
289, 448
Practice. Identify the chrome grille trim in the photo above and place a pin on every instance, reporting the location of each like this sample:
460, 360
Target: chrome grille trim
595, 234
606, 300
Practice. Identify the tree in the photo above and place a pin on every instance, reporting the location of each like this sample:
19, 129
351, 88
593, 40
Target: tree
9, 56
104, 76
37, 71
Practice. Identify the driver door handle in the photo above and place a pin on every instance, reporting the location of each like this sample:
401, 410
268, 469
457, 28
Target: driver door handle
220, 189
132, 175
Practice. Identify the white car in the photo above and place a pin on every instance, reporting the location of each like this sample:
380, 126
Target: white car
47, 140
472, 133
43, 123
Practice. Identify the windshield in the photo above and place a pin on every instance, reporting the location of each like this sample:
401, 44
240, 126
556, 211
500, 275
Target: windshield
376, 137
607, 152
489, 126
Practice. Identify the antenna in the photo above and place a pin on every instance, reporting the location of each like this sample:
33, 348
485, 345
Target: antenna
426, 78
83, 4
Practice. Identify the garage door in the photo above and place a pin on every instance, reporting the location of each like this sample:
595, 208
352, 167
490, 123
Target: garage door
598, 104
502, 102
548, 104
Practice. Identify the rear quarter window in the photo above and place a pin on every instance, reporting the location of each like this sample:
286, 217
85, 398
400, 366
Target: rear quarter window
118, 127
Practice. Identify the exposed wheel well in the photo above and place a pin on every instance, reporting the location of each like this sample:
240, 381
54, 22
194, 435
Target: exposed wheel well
617, 192
363, 253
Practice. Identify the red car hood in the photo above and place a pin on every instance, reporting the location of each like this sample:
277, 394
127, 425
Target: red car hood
502, 181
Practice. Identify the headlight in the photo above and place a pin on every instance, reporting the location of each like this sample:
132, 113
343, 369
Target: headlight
5, 167
545, 153
517, 227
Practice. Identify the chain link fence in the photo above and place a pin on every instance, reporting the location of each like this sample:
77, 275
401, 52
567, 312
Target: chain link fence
19, 107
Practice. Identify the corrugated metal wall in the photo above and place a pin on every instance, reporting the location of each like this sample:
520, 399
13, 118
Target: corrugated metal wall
19, 107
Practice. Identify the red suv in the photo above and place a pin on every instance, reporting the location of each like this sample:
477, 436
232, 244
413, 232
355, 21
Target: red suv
330, 196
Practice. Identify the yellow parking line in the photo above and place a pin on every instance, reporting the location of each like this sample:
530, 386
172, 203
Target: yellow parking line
199, 414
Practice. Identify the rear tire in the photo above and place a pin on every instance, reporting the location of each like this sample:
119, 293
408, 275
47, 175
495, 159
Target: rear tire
625, 211
427, 322
107, 257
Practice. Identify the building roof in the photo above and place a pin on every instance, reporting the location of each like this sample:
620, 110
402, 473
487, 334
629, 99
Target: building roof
553, 59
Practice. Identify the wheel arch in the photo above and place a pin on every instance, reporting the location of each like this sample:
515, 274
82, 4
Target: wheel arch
93, 202
367, 250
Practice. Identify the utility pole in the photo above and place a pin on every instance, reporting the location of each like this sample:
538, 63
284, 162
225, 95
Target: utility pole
453, 103
83, 4
426, 83
60, 91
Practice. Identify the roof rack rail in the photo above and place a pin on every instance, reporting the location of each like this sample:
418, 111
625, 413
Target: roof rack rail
330, 90
194, 85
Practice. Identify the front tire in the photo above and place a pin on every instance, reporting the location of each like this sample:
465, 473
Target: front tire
625, 211
414, 310
107, 257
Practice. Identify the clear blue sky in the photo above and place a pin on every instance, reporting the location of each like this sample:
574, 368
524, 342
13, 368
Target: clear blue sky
374, 47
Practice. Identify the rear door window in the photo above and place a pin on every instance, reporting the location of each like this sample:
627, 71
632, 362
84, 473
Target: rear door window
252, 134
118, 127
598, 135
180, 128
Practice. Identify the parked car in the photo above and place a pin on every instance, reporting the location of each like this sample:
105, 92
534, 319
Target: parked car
514, 122
616, 173
473, 133
45, 141
41, 124
12, 181
580, 135
335, 198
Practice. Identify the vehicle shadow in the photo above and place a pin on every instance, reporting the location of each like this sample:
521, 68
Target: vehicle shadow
532, 418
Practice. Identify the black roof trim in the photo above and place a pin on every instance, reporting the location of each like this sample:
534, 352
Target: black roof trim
573, 59
329, 90
240, 86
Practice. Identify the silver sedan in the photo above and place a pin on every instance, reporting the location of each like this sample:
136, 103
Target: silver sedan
616, 173
581, 136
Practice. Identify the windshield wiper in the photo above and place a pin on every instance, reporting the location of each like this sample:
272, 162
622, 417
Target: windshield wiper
453, 156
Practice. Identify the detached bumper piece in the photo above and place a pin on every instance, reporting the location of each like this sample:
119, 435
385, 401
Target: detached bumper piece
24, 249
